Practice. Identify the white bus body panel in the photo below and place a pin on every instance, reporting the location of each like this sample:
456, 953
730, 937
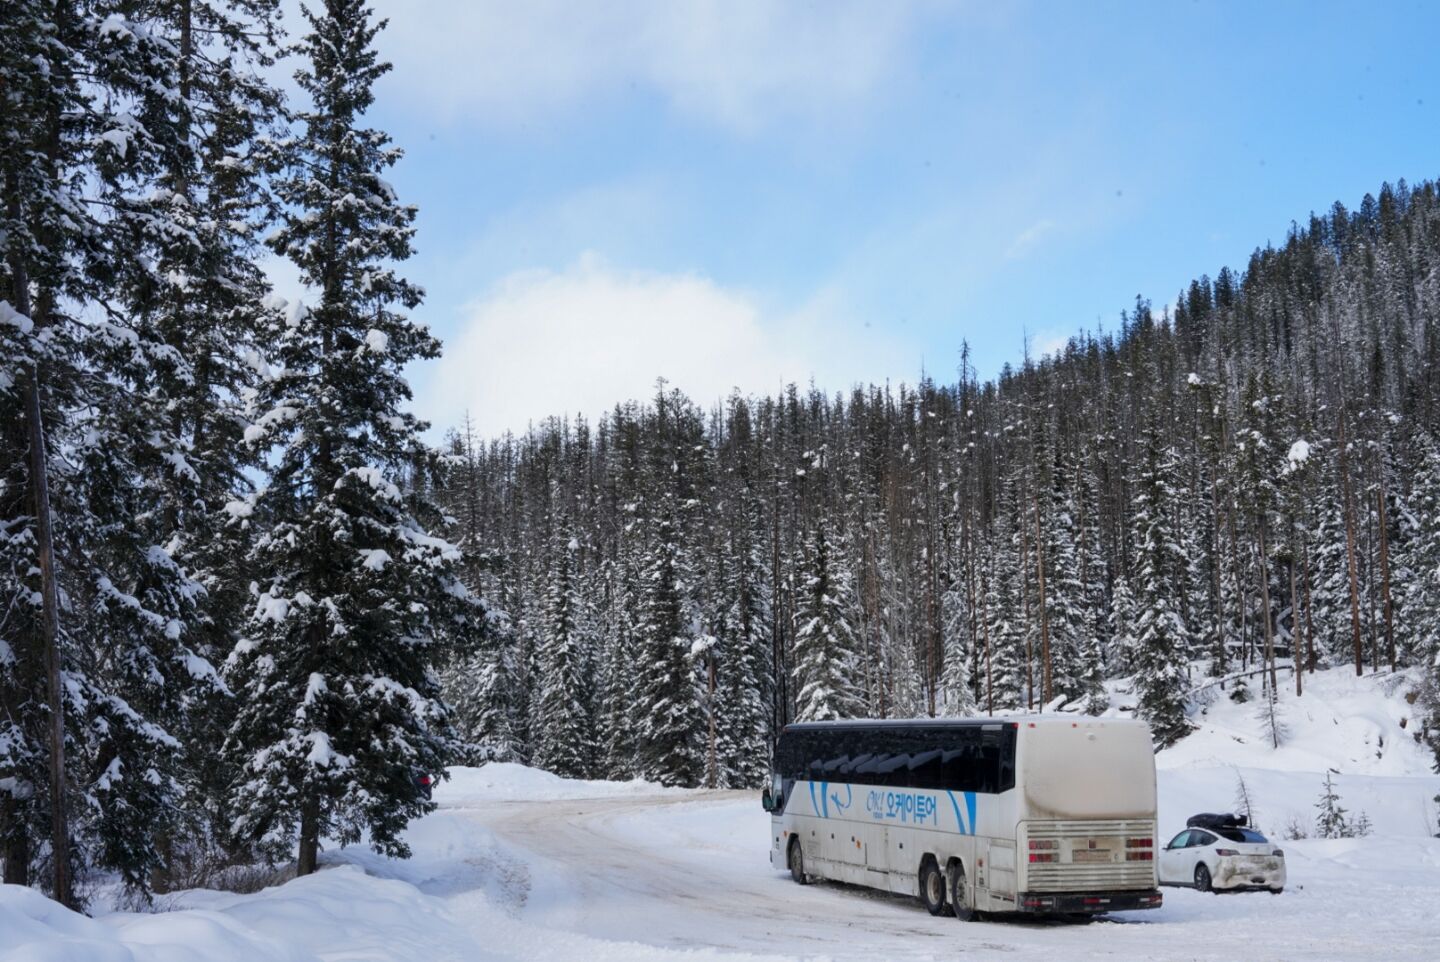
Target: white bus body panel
1087, 786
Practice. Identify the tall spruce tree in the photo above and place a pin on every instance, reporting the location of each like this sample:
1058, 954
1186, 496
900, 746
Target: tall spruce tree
824, 636
563, 742
338, 705
1160, 632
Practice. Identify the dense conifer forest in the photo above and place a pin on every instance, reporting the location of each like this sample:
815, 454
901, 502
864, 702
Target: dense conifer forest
244, 603
1244, 486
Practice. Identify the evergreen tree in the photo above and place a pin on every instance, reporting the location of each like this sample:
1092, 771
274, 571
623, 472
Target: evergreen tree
339, 705
1330, 820
1160, 633
824, 637
562, 744
667, 736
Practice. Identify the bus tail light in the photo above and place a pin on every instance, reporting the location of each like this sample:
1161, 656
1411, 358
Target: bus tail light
1139, 856
1042, 857
1042, 843
1139, 843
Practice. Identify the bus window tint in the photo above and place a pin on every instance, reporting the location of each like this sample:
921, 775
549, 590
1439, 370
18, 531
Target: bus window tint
925, 769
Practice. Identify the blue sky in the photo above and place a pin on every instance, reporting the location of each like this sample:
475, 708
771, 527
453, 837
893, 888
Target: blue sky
738, 193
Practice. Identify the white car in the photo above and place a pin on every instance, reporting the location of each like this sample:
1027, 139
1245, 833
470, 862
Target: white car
1217, 856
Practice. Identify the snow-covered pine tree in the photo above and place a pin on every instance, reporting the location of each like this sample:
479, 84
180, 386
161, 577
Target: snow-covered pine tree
957, 693
1122, 617
1160, 634
743, 662
824, 635
189, 277
119, 398
1064, 590
667, 714
338, 703
1419, 562
1330, 820
562, 743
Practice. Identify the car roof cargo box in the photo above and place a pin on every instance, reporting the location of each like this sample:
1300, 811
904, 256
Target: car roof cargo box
1213, 821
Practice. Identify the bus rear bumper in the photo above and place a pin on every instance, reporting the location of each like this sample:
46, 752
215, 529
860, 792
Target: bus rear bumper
1047, 903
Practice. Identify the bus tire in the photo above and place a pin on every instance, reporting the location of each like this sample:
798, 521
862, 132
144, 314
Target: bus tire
932, 887
795, 858
959, 897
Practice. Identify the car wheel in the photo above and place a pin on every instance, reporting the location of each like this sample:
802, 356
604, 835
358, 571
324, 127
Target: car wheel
796, 861
1276, 891
959, 895
932, 887
1202, 878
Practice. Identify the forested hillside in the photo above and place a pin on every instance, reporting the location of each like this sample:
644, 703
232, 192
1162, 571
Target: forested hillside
1242, 484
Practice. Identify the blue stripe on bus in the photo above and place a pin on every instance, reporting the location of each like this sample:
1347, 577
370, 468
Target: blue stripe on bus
964, 827
813, 807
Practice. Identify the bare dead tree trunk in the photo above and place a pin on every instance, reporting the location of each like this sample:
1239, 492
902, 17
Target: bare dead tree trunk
712, 762
1349, 497
1385, 576
1264, 564
1295, 630
1045, 685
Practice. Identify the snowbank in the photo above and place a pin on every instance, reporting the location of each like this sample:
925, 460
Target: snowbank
507, 782
339, 913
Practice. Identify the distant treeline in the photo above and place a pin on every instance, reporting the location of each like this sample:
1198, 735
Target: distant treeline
1248, 481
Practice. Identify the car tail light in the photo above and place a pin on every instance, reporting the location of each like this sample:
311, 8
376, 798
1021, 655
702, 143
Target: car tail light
424, 779
1043, 857
1139, 843
1226, 851
1279, 853
1139, 856
1042, 843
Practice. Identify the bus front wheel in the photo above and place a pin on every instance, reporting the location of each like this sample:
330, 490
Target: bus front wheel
796, 859
959, 893
932, 887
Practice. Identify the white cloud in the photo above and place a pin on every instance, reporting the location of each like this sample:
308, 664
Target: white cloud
1028, 238
736, 63
544, 343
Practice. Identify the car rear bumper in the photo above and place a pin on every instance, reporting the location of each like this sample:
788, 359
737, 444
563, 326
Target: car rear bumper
1046, 903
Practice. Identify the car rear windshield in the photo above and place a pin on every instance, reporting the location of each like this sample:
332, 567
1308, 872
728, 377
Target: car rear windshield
1241, 835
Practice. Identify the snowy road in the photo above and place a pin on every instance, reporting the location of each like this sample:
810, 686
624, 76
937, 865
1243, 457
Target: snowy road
690, 871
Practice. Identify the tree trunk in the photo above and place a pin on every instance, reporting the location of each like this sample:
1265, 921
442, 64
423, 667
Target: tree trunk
1350, 550
309, 853
713, 764
17, 852
1295, 618
49, 593
1046, 692
1385, 577
1265, 609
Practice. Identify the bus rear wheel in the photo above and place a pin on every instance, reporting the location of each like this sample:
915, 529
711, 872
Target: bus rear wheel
796, 860
959, 894
932, 887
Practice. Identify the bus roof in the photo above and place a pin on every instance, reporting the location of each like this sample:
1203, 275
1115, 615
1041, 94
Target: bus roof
1013, 721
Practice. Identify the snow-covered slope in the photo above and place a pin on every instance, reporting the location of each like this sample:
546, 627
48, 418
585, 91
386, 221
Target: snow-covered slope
1358, 729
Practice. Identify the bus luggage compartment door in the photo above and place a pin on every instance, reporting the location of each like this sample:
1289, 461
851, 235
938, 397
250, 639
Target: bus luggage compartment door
1001, 864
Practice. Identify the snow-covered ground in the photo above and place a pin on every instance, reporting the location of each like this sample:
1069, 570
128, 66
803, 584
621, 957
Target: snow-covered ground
520, 864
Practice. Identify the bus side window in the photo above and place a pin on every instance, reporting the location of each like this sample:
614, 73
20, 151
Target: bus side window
989, 763
1007, 760
926, 769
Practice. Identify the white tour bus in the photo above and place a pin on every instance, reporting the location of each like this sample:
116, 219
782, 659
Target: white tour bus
1040, 814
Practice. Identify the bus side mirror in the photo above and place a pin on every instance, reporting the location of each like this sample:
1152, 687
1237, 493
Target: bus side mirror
767, 801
